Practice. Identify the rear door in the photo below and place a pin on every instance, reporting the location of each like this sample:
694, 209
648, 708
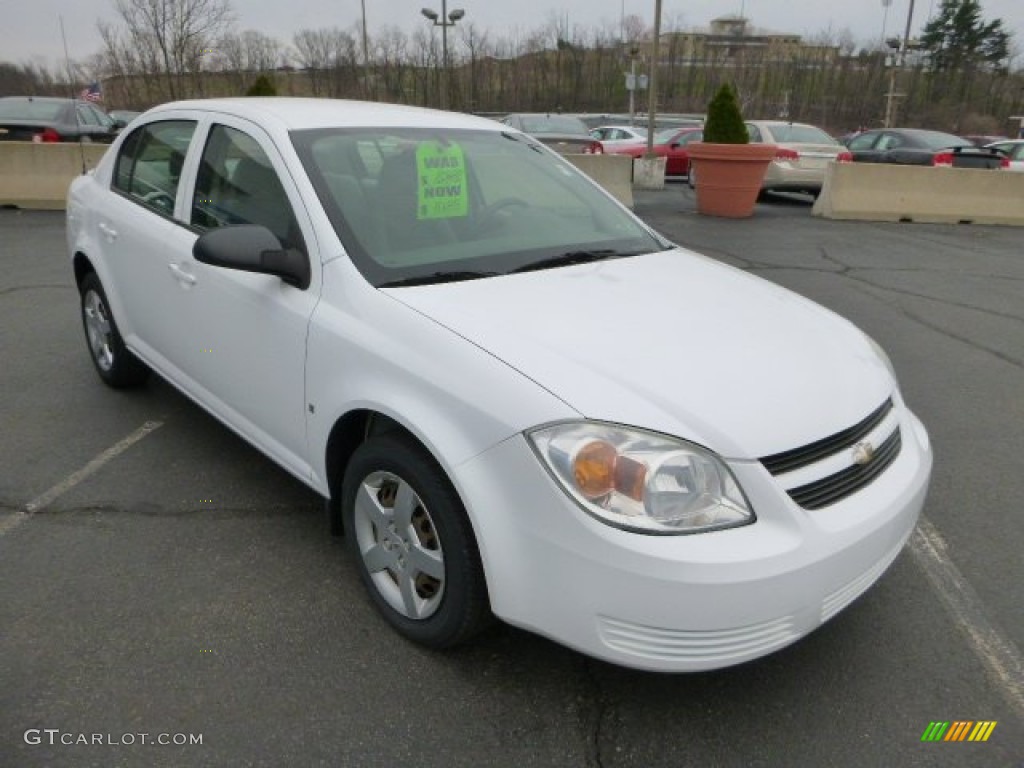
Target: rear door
136, 229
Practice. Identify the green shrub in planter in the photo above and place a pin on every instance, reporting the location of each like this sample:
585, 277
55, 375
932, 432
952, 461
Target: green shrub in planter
724, 124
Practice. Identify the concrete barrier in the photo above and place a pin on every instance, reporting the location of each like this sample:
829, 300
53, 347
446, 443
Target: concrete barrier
881, 192
613, 172
38, 175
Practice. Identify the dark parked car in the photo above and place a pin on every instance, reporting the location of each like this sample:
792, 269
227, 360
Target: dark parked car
47, 119
565, 134
915, 146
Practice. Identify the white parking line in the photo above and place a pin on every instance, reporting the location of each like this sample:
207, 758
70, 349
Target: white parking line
47, 497
996, 651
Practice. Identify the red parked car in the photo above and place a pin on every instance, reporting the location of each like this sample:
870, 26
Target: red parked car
671, 143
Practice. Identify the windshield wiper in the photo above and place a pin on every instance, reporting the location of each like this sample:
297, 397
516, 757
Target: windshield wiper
574, 257
438, 277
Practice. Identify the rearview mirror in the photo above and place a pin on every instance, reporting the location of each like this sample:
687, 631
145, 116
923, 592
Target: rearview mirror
252, 248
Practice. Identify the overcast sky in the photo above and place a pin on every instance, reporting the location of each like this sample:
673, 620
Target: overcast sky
31, 27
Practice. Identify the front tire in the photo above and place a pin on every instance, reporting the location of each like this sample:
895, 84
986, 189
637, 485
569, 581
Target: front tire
412, 543
118, 367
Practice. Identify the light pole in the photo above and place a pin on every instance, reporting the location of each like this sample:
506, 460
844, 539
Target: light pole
444, 21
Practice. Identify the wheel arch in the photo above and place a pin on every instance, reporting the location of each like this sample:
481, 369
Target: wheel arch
349, 431
82, 266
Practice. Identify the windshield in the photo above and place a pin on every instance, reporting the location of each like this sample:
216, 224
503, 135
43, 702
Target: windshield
938, 140
424, 204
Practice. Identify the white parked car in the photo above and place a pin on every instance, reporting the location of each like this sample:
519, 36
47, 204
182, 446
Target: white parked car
518, 398
1014, 151
619, 135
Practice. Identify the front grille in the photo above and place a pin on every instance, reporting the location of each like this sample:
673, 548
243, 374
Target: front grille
787, 461
835, 487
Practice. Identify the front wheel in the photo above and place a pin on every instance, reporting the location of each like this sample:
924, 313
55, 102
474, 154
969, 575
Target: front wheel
118, 367
412, 543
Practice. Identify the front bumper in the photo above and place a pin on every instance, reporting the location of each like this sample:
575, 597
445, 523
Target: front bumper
691, 602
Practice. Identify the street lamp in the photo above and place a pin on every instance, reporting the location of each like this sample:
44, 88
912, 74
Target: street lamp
444, 21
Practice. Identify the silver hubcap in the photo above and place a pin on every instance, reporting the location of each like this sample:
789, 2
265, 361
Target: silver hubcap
399, 545
97, 328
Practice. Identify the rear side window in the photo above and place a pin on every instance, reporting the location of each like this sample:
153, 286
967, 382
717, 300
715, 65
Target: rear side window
864, 141
149, 163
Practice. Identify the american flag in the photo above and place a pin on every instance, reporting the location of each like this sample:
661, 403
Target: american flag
92, 93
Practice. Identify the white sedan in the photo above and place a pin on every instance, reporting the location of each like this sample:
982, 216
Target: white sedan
1014, 150
619, 135
519, 400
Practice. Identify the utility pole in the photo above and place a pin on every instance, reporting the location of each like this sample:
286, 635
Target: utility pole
366, 57
632, 79
652, 85
901, 59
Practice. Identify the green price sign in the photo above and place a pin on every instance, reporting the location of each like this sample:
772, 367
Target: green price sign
442, 181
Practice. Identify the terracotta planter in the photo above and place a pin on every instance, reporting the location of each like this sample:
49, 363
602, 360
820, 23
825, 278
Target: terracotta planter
729, 176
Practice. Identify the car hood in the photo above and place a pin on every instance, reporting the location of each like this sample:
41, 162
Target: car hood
672, 342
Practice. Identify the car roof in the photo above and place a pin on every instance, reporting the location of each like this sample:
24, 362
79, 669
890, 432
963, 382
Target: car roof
44, 99
300, 113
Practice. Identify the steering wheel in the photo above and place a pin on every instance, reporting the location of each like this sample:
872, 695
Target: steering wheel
487, 217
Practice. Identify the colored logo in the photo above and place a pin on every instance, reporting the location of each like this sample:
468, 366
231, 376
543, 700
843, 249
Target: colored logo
959, 730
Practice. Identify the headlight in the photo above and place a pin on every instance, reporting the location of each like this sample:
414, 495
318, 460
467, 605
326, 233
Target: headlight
641, 481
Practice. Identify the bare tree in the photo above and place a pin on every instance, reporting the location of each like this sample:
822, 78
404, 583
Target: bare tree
169, 37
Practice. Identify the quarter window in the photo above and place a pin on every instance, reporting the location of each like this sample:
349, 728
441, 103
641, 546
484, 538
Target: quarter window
238, 185
149, 164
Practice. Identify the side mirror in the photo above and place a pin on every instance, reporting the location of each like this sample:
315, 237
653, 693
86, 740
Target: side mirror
252, 248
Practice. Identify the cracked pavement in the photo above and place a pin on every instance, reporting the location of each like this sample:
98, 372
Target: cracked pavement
188, 585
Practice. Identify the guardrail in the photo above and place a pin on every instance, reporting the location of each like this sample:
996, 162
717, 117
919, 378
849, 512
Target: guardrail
37, 175
613, 172
881, 192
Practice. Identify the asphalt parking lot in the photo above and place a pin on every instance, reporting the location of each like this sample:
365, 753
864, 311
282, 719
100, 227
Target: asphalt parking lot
159, 577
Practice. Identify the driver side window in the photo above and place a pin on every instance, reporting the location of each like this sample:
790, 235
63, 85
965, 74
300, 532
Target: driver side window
237, 184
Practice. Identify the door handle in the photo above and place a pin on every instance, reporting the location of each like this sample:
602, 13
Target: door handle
181, 275
108, 231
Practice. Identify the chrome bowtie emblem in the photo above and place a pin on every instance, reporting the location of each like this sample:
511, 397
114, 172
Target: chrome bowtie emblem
863, 453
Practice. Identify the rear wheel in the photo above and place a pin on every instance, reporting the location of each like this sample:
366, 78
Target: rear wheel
118, 367
412, 543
